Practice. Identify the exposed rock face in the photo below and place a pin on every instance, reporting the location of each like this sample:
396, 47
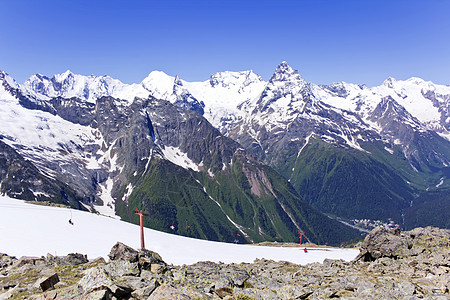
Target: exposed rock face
392, 265
395, 244
21, 179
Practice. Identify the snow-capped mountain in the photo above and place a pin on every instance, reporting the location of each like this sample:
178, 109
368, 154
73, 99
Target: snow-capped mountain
347, 149
427, 102
88, 88
117, 154
402, 124
224, 94
230, 96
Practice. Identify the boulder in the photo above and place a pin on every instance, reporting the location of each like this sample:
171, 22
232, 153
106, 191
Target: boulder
168, 292
121, 251
49, 282
148, 258
95, 277
6, 260
70, 259
381, 242
104, 294
224, 291
28, 260
252, 293
157, 268
119, 268
145, 291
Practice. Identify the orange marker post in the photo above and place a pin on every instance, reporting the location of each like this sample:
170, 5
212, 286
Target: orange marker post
141, 214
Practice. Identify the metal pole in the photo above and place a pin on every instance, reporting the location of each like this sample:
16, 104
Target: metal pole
301, 233
141, 214
142, 232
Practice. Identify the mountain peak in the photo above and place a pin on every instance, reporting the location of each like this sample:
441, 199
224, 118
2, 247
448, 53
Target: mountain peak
158, 81
67, 75
416, 80
284, 72
389, 82
284, 65
8, 79
177, 81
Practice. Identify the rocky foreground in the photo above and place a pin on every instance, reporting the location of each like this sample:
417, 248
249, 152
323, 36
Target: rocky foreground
391, 265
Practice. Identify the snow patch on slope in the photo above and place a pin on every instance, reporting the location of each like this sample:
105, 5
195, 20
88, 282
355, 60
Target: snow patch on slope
178, 157
108, 207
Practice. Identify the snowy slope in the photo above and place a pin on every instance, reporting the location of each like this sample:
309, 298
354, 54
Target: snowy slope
224, 93
42, 135
33, 230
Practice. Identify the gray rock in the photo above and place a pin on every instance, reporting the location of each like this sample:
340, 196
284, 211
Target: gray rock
104, 294
237, 275
251, 293
148, 258
120, 268
424, 275
394, 244
145, 291
94, 278
123, 252
27, 260
168, 292
294, 292
70, 259
6, 261
405, 288
49, 282
381, 243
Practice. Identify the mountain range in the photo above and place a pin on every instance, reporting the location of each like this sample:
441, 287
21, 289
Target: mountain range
233, 157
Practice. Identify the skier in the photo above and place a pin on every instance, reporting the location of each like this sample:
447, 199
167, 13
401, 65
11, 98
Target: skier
70, 220
305, 250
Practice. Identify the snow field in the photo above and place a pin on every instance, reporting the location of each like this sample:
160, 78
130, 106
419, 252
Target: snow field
34, 230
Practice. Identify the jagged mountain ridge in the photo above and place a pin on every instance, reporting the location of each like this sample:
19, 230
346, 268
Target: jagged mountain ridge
427, 102
401, 124
154, 155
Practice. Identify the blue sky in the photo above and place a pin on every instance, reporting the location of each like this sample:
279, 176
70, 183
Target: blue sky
361, 41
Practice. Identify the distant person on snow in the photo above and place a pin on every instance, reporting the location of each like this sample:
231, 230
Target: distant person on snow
305, 250
70, 222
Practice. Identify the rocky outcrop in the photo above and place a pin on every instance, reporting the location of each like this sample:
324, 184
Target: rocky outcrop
392, 265
420, 242
121, 251
70, 259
